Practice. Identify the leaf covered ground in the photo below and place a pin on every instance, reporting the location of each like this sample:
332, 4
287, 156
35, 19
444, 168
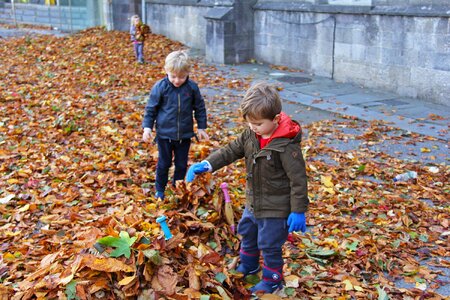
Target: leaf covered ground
78, 217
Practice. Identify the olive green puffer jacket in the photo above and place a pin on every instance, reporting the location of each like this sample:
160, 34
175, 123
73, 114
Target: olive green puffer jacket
276, 175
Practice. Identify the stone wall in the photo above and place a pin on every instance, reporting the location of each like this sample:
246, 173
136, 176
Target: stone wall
123, 10
377, 48
410, 2
179, 20
64, 18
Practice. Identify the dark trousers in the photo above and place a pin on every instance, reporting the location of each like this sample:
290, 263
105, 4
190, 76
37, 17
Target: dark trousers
168, 149
139, 51
267, 235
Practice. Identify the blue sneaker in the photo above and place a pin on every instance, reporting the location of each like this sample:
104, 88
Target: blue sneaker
266, 286
249, 263
159, 195
271, 281
247, 271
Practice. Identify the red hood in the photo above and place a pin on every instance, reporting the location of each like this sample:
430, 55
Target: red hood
286, 128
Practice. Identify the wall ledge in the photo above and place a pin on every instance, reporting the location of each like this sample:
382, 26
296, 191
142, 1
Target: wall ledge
208, 3
411, 11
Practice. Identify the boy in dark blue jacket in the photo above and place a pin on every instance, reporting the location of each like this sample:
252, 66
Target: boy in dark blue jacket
170, 110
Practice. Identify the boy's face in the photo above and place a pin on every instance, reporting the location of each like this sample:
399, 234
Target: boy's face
177, 79
263, 127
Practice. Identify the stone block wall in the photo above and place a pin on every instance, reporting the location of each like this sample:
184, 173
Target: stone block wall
62, 17
410, 2
407, 55
399, 52
123, 10
179, 20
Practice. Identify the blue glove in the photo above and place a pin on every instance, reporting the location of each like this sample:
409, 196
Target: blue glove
296, 221
196, 169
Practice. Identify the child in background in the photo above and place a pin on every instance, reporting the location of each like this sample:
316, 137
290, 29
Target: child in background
169, 111
276, 189
138, 31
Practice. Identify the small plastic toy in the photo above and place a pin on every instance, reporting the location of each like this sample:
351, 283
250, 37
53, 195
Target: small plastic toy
162, 222
229, 215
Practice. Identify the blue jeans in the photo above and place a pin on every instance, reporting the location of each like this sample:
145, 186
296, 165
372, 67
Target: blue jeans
266, 234
139, 51
168, 149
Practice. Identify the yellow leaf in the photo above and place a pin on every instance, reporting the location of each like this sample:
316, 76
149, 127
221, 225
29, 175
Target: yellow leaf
24, 208
108, 129
65, 158
23, 173
329, 190
358, 288
15, 233
332, 242
106, 264
292, 281
348, 285
127, 280
8, 256
424, 149
421, 286
326, 181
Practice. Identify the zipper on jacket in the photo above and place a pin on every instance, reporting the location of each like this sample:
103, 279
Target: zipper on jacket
257, 154
178, 119
259, 206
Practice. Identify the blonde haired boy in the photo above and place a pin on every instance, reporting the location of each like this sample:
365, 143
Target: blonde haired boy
169, 113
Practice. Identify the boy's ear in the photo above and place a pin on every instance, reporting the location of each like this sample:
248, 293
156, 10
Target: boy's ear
277, 118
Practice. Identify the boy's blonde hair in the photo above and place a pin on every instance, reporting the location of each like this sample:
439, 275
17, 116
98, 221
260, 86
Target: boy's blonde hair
261, 101
134, 18
178, 62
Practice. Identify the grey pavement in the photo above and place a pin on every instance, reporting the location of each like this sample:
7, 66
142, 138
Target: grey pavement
22, 31
409, 114
311, 98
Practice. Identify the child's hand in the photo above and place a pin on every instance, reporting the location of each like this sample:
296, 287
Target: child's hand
203, 135
197, 168
296, 221
147, 136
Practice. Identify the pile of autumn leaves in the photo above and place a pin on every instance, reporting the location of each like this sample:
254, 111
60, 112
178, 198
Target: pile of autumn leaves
78, 216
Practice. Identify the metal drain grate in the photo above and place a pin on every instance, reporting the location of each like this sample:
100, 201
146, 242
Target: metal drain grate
294, 79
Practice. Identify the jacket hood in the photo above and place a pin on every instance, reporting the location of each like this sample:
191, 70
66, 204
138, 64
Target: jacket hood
286, 128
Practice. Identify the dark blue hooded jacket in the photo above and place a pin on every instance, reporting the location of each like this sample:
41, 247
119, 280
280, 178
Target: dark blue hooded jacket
173, 109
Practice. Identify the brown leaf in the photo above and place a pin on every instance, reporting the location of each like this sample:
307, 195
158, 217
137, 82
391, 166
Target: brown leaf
194, 282
211, 257
167, 280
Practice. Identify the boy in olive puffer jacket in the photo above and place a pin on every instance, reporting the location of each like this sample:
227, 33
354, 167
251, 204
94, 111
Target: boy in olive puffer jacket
276, 191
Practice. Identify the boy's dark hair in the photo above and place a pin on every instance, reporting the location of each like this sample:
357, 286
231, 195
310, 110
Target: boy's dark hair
261, 101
